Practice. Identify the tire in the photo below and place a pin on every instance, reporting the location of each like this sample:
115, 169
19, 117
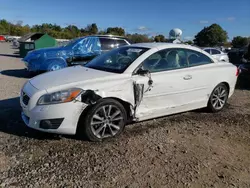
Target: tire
56, 66
94, 132
221, 98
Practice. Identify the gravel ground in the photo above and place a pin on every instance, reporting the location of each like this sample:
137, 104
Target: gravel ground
194, 149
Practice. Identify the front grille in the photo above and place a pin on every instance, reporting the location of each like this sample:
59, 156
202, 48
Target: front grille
25, 98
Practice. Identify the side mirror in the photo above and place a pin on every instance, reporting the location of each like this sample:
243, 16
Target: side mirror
142, 72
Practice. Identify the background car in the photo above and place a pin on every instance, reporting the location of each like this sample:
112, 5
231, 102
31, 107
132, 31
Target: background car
236, 55
15, 43
80, 50
217, 54
2, 38
245, 68
131, 83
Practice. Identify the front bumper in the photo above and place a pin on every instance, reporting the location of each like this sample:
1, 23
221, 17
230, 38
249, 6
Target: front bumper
69, 112
32, 67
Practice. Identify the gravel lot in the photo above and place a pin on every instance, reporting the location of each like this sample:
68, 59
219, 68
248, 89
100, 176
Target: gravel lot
194, 149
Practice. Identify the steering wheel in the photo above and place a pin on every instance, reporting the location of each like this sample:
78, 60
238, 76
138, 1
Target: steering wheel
194, 57
124, 60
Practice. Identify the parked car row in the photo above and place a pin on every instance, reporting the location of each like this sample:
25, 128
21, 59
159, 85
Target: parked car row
129, 83
216, 53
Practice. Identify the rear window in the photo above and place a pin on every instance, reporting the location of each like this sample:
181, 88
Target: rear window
107, 44
207, 50
120, 42
215, 51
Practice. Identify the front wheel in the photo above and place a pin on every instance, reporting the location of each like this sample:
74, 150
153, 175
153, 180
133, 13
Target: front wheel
218, 98
105, 119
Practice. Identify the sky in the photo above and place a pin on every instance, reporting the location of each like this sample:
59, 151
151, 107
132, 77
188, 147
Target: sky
142, 16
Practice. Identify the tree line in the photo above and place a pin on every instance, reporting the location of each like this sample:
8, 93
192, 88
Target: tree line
214, 35
70, 31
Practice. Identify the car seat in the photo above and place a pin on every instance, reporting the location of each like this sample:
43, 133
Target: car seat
173, 59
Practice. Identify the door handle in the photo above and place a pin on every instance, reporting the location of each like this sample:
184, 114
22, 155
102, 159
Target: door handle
187, 77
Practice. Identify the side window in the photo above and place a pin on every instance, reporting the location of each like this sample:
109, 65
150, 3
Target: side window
195, 58
87, 46
215, 51
107, 44
121, 43
208, 51
169, 59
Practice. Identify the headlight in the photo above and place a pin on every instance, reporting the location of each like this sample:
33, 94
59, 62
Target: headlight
60, 96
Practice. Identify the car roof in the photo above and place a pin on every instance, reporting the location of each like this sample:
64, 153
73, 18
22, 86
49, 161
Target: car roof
105, 36
163, 45
110, 36
206, 48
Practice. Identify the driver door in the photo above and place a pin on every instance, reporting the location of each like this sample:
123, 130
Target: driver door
166, 87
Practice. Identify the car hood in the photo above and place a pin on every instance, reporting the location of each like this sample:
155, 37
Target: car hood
53, 49
34, 54
72, 75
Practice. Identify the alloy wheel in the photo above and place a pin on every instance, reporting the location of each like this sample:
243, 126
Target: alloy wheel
219, 97
106, 121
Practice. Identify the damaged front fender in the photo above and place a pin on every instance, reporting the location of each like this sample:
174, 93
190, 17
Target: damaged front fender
129, 93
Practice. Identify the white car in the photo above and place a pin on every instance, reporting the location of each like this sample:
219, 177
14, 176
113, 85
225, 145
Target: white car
217, 54
131, 83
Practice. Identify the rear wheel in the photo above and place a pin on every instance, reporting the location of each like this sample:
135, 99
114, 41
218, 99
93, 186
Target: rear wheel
56, 65
104, 120
218, 98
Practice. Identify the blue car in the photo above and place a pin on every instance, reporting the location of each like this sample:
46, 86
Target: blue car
77, 51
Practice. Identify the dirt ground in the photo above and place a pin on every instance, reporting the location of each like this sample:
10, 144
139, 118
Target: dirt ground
194, 149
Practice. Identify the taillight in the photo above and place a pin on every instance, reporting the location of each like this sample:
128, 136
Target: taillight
237, 71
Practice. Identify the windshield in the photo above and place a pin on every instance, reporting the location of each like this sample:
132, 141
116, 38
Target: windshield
117, 60
73, 42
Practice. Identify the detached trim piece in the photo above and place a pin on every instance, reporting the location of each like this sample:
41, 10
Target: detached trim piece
90, 97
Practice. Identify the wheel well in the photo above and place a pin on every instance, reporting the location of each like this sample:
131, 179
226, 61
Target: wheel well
126, 106
227, 85
56, 60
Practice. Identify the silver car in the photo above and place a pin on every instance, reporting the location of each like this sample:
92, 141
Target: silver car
217, 54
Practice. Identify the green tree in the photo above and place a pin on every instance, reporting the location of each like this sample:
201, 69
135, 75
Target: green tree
92, 29
116, 31
4, 27
213, 35
138, 38
190, 42
159, 38
239, 41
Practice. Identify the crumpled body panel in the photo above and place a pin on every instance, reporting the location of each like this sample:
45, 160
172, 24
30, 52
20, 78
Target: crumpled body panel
75, 52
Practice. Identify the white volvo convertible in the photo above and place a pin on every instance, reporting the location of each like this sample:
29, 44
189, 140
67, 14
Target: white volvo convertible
131, 83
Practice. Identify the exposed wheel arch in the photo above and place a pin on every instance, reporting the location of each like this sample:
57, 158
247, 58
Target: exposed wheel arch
126, 105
